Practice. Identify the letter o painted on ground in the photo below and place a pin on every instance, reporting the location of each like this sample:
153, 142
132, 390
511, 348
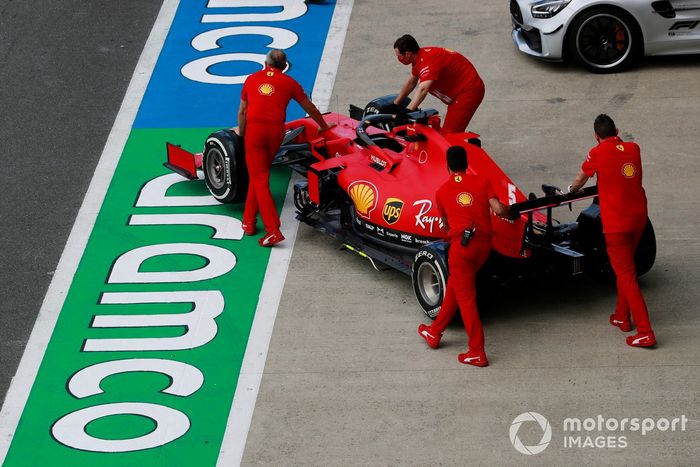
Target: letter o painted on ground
170, 425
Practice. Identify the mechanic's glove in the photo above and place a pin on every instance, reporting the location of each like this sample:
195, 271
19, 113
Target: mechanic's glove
402, 115
513, 213
391, 109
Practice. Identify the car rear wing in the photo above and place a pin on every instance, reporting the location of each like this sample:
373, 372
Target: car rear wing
553, 198
546, 240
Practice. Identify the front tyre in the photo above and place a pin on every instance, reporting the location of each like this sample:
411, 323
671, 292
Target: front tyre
223, 163
604, 40
429, 277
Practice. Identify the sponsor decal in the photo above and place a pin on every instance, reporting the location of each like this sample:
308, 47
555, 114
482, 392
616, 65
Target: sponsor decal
377, 160
266, 89
432, 224
406, 238
425, 253
629, 170
458, 178
423, 157
391, 234
380, 231
620, 148
364, 196
392, 210
465, 199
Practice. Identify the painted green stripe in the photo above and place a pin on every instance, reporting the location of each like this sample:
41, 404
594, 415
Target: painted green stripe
219, 360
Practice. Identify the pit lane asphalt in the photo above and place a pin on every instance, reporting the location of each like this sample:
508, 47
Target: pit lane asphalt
64, 70
349, 382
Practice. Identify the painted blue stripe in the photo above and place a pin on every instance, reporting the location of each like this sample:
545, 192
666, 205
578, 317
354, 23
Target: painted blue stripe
174, 101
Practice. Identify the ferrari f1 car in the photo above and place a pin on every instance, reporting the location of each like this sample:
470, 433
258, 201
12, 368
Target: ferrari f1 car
370, 182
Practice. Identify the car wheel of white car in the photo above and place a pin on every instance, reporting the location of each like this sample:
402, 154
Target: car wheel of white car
604, 40
223, 162
430, 277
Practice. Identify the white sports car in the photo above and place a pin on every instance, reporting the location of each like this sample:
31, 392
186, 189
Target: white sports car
605, 35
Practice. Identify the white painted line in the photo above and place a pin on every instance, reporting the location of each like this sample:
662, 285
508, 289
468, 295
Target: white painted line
21, 384
328, 68
253, 365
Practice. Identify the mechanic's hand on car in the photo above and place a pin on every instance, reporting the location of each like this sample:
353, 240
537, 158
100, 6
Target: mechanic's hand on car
327, 127
402, 115
391, 109
513, 213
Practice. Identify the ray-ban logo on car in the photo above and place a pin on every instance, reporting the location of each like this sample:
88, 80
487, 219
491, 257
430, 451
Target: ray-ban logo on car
524, 418
392, 210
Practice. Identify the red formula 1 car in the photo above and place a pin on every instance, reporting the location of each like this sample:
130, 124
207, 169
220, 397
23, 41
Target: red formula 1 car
370, 181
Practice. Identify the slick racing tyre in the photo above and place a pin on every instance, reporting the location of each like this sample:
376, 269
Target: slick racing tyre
604, 40
592, 244
430, 277
223, 163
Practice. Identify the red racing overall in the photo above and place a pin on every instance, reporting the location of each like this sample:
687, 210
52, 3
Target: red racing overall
455, 82
267, 93
623, 209
464, 201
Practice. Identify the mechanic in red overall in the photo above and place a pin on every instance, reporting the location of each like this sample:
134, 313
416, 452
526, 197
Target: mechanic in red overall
465, 202
261, 118
445, 74
623, 209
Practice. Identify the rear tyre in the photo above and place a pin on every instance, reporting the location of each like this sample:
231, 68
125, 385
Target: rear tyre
223, 163
592, 244
604, 40
429, 277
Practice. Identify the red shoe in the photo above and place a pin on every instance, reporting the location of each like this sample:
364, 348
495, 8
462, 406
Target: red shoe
642, 339
473, 358
431, 338
271, 238
624, 325
249, 229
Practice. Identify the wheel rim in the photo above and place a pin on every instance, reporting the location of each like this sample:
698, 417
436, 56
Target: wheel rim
429, 284
603, 41
215, 167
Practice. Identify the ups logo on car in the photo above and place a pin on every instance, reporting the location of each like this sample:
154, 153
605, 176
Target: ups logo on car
392, 210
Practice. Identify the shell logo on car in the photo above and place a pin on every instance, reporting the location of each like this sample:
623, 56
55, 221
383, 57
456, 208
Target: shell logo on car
266, 89
628, 170
364, 196
465, 199
392, 210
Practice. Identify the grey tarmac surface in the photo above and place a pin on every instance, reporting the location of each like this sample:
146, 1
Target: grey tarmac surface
64, 69
349, 382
